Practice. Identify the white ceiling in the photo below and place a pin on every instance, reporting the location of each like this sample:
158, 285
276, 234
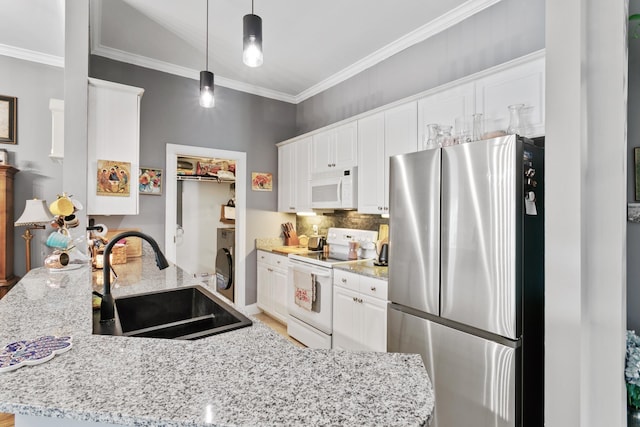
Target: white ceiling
308, 46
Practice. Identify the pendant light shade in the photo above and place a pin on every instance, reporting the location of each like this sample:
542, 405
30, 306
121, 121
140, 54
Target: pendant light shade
252, 39
206, 90
207, 99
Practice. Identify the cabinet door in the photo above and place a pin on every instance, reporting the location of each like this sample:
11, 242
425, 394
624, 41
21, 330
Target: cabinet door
443, 107
400, 136
345, 148
373, 323
286, 181
520, 84
279, 294
371, 160
302, 175
346, 328
321, 160
264, 279
113, 136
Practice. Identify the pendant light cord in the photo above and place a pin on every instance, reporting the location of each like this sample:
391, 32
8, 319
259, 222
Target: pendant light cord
207, 43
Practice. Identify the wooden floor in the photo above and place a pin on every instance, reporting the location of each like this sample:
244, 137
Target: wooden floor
6, 420
276, 326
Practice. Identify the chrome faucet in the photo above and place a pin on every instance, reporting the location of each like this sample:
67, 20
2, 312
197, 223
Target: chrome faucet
107, 310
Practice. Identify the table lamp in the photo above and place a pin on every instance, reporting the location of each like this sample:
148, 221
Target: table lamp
35, 216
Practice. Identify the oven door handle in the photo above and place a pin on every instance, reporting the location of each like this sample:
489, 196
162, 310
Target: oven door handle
315, 272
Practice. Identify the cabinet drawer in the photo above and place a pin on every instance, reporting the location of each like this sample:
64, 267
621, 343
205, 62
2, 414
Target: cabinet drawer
374, 287
273, 260
346, 280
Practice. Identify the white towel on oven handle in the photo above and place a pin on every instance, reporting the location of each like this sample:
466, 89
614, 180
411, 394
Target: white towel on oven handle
304, 289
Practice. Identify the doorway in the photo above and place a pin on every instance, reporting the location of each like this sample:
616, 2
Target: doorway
173, 152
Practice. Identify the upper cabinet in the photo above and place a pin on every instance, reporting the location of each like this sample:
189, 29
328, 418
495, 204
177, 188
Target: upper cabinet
443, 107
114, 144
490, 93
335, 148
380, 136
519, 84
294, 176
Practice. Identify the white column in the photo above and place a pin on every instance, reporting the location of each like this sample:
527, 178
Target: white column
586, 59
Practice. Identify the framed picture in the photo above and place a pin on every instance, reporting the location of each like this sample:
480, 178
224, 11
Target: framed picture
150, 181
261, 181
114, 178
636, 168
8, 119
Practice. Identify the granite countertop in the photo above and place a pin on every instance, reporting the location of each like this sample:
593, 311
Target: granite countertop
250, 376
365, 268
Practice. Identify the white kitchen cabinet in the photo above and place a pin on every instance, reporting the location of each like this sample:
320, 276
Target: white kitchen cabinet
272, 285
380, 136
359, 312
444, 106
522, 83
336, 148
294, 176
114, 136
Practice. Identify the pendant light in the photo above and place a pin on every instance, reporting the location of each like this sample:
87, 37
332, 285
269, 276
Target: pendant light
252, 39
206, 77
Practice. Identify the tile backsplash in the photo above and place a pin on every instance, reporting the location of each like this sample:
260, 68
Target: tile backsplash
341, 219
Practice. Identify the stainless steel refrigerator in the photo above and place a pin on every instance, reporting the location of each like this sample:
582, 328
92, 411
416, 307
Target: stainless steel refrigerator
466, 277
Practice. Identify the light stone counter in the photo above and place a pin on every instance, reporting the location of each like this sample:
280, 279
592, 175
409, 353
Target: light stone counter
365, 268
251, 376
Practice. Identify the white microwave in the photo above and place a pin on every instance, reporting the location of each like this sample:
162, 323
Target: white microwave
336, 189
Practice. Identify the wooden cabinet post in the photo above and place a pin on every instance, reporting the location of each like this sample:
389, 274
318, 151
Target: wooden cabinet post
7, 278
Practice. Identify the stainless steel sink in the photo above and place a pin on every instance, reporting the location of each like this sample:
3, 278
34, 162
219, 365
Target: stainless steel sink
187, 313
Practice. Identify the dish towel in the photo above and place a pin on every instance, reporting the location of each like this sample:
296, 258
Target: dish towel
305, 289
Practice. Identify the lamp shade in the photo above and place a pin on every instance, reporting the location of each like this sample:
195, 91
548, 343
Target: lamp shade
252, 40
207, 99
35, 212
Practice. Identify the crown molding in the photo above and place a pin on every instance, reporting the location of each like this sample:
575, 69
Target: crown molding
32, 55
448, 20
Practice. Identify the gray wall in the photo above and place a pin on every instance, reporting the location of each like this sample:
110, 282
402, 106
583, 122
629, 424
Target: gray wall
170, 113
33, 84
507, 30
633, 141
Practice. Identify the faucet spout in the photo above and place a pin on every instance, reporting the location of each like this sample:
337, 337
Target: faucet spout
107, 309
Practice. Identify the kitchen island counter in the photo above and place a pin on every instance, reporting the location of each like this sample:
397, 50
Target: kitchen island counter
251, 376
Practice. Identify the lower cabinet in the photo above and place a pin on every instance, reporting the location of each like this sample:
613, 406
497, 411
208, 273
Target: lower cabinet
359, 312
272, 285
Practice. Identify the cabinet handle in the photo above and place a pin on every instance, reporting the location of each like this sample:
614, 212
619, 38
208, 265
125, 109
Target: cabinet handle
270, 269
333, 164
354, 299
379, 208
278, 262
373, 288
344, 280
359, 300
328, 165
262, 257
293, 208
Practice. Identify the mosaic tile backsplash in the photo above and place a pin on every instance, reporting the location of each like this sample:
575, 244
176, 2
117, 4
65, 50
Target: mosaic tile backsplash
341, 219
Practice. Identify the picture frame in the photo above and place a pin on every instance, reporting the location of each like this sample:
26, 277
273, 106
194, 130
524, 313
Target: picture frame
113, 178
636, 168
8, 119
261, 181
150, 181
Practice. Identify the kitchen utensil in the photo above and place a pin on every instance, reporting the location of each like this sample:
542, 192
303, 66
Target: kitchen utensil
316, 243
383, 257
353, 250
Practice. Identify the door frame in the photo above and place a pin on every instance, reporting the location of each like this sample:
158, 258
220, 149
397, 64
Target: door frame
173, 151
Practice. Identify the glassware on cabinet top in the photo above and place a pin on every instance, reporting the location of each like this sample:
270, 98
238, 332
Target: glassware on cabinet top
445, 138
431, 136
514, 119
478, 127
461, 130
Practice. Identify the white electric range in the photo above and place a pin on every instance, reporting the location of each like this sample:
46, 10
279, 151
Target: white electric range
310, 285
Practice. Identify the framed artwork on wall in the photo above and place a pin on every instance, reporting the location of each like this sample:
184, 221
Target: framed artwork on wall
113, 178
8, 119
261, 181
150, 181
636, 169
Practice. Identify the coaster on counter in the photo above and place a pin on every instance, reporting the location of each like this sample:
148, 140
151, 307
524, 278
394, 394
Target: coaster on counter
32, 352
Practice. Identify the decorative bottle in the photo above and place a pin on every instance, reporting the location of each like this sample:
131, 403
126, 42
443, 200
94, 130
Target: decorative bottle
514, 119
